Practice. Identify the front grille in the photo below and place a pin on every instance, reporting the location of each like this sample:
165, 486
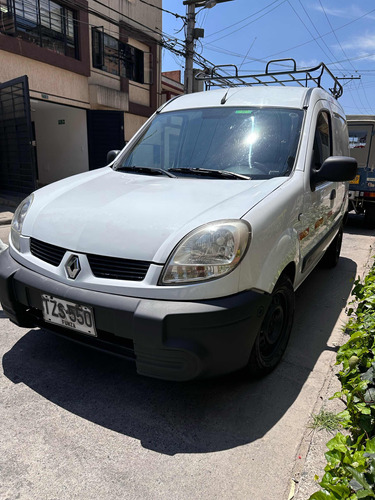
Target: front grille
47, 252
101, 267
118, 269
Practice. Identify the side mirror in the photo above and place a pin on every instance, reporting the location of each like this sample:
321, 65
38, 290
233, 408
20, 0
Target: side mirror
335, 169
111, 155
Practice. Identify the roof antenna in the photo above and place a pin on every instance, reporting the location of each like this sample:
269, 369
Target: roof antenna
224, 99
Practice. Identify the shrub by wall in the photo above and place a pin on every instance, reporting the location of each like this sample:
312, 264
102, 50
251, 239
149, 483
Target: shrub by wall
350, 470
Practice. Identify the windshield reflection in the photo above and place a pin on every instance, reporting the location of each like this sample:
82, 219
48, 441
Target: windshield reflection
259, 143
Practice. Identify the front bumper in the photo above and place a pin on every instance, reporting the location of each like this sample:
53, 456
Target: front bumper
172, 340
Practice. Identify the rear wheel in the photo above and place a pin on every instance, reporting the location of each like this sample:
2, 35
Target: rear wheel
332, 255
346, 217
272, 339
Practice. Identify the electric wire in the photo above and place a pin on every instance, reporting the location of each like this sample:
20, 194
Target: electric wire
312, 36
177, 16
325, 34
251, 22
247, 53
338, 66
366, 97
177, 47
204, 19
242, 20
335, 35
164, 40
345, 54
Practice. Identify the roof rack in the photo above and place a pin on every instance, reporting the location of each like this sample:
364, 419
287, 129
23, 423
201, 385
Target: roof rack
302, 77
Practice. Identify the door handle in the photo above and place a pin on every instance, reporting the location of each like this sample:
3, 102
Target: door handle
333, 194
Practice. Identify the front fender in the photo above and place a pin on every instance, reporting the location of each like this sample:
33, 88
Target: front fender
266, 262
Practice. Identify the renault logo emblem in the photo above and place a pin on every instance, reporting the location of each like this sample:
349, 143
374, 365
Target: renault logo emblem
73, 267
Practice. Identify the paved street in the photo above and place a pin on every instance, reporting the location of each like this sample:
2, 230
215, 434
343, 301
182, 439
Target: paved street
79, 424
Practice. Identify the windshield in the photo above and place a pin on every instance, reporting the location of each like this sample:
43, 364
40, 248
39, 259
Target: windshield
256, 142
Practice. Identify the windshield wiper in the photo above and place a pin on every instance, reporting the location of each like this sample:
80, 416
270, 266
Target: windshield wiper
209, 173
144, 170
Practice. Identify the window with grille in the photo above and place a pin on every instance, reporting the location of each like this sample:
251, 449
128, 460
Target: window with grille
117, 58
43, 22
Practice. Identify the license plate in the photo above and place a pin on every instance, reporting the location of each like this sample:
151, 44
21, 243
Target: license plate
355, 180
68, 315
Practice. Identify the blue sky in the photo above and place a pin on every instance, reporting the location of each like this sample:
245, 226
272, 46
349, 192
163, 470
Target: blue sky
249, 33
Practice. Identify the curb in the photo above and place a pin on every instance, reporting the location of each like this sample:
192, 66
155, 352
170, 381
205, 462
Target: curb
5, 218
7, 209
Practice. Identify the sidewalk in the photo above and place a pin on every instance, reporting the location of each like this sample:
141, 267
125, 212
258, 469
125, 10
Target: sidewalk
7, 208
5, 215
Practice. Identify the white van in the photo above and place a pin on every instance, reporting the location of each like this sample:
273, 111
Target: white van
184, 253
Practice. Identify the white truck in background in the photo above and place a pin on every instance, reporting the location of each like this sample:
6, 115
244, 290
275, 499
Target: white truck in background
362, 148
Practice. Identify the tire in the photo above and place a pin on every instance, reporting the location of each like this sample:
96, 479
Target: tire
370, 217
273, 337
346, 217
332, 255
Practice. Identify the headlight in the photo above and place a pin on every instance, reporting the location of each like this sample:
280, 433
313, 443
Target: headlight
209, 252
18, 218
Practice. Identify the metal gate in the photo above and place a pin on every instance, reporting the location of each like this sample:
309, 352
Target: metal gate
17, 162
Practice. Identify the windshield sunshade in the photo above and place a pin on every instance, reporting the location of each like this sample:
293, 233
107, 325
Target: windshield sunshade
253, 142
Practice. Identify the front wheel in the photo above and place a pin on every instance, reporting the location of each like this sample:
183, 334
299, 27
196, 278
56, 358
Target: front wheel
272, 339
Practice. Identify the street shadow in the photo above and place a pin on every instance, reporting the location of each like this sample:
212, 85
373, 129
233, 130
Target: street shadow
197, 417
355, 224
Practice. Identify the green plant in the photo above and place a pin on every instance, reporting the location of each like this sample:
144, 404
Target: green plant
325, 420
350, 470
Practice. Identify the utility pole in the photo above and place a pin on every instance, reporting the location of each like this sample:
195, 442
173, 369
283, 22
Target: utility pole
189, 48
193, 34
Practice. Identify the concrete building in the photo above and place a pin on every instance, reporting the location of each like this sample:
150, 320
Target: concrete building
78, 78
171, 85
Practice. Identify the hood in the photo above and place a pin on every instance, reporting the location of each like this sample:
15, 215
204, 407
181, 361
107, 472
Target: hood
135, 216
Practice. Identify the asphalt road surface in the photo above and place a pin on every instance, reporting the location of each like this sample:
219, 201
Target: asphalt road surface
79, 424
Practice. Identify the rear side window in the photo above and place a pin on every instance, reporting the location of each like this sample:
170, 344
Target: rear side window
256, 142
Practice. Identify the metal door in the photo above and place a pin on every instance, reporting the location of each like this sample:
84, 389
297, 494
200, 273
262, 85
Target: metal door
105, 131
17, 162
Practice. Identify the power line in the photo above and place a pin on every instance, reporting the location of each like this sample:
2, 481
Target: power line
164, 40
312, 36
247, 53
343, 51
335, 35
163, 10
325, 34
242, 20
365, 94
322, 39
205, 15
363, 56
31, 5
251, 22
121, 14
